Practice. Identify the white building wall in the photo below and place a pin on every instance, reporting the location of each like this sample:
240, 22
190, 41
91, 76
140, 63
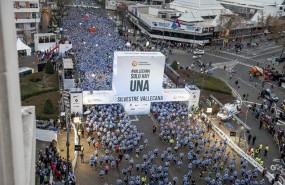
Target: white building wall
29, 132
12, 163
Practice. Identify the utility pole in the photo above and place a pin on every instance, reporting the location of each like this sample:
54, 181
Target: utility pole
163, 28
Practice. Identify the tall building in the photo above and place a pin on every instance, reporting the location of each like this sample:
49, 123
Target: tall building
27, 18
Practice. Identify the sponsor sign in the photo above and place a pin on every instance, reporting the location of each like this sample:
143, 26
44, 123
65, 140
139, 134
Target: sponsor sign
138, 108
108, 97
77, 148
161, 24
233, 134
138, 73
76, 104
98, 97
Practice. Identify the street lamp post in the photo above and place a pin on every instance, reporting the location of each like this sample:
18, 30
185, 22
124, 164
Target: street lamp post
240, 133
67, 145
163, 28
246, 115
177, 79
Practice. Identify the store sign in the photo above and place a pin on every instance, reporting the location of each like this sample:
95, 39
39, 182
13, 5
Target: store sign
194, 28
138, 73
161, 24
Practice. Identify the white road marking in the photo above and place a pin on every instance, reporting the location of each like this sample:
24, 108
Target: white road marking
261, 54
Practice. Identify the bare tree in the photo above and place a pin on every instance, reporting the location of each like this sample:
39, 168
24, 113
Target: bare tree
276, 27
227, 22
261, 23
27, 37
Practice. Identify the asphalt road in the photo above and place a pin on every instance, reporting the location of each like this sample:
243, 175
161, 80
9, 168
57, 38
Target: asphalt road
87, 176
242, 62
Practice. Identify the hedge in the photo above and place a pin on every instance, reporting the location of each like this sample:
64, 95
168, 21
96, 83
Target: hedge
23, 97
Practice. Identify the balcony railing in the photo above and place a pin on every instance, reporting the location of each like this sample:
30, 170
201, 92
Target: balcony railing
18, 7
28, 17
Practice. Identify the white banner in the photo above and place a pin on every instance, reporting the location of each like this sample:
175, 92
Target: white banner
68, 83
76, 104
98, 97
64, 47
138, 108
175, 95
138, 73
109, 97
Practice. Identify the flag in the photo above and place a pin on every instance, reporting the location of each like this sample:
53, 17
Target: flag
178, 23
174, 25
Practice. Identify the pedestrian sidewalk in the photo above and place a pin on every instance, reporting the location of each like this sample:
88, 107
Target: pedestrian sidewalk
61, 143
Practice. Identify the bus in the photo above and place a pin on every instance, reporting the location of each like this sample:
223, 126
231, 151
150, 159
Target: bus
24, 71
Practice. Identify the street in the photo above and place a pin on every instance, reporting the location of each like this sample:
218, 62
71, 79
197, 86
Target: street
241, 62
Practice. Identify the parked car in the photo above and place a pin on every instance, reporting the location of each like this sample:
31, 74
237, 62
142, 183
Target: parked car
198, 52
282, 115
280, 60
281, 82
276, 75
238, 46
268, 94
197, 56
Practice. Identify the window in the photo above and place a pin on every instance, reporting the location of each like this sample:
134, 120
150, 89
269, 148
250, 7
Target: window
33, 25
33, 5
34, 15
22, 4
19, 25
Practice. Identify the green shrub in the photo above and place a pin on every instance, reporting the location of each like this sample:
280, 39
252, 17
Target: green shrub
175, 65
48, 107
35, 79
49, 67
35, 93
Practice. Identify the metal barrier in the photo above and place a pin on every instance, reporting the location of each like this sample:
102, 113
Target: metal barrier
76, 141
242, 153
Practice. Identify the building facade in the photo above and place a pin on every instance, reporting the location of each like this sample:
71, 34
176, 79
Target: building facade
249, 8
27, 18
181, 20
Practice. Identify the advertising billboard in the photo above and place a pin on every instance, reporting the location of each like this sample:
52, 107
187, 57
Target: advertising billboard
76, 103
98, 97
138, 73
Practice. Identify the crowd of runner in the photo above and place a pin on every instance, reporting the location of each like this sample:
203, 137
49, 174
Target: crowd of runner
94, 50
190, 145
186, 144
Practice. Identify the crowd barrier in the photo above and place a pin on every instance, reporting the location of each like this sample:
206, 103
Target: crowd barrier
76, 142
242, 153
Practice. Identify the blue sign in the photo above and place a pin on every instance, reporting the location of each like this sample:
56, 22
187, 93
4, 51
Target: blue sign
160, 24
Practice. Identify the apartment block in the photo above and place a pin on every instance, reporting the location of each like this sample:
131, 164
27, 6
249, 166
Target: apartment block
27, 18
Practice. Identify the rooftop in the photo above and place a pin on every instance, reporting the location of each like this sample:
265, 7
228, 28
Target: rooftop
259, 3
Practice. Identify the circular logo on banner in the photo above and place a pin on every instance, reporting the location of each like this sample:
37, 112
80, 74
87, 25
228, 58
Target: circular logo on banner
194, 96
76, 100
134, 63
